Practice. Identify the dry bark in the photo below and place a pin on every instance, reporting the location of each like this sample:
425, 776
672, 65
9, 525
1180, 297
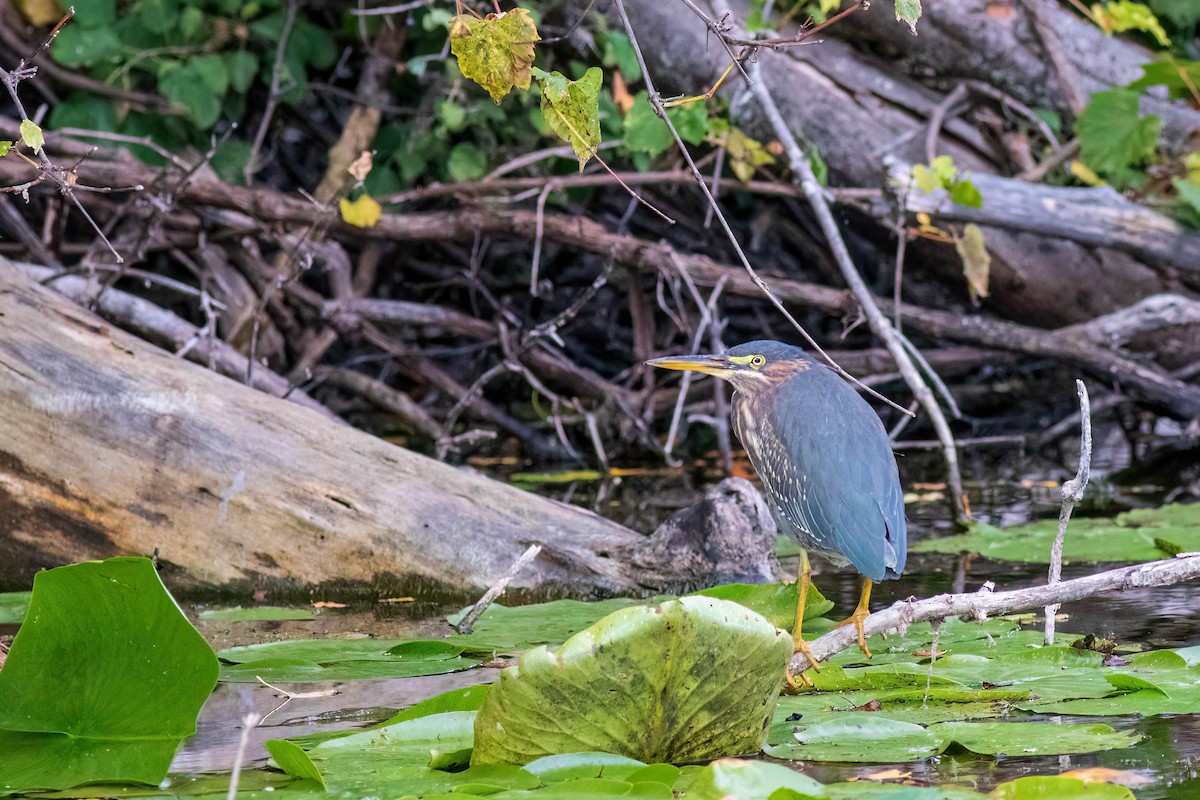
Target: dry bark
110, 446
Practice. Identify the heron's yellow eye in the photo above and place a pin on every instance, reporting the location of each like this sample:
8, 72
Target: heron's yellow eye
757, 361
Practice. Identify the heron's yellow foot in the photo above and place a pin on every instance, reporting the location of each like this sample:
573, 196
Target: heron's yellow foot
801, 646
857, 619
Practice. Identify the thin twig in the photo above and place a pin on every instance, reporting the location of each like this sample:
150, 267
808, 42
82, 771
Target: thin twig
1072, 493
273, 97
467, 623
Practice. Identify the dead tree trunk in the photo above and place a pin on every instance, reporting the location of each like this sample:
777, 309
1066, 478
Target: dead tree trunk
111, 446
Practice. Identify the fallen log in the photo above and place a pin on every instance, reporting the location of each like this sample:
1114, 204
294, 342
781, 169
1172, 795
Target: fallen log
110, 446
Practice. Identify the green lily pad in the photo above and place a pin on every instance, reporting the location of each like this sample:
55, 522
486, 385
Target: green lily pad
775, 601
13, 606
860, 737
310, 660
751, 780
866, 738
104, 679
573, 766
1041, 787
689, 680
511, 630
1142, 535
256, 614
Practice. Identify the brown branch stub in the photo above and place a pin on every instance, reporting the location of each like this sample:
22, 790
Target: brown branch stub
1072, 493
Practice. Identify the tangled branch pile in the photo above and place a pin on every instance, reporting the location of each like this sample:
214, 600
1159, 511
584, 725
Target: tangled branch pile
376, 237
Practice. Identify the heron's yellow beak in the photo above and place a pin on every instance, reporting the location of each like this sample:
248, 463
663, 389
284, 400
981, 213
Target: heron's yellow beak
709, 365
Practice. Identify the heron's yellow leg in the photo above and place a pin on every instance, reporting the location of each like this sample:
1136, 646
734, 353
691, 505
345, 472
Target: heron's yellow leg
803, 580
860, 616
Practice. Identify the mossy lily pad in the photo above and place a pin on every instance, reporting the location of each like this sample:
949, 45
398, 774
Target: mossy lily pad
690, 680
104, 679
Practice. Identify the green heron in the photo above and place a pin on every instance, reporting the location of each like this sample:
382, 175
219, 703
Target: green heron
823, 457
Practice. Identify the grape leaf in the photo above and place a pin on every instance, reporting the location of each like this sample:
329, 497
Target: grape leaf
1123, 15
1113, 137
361, 213
572, 109
497, 51
909, 11
646, 133
4, 147
1178, 75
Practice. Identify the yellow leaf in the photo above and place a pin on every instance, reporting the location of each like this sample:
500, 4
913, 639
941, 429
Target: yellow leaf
745, 155
362, 213
977, 262
496, 52
1084, 173
40, 12
31, 135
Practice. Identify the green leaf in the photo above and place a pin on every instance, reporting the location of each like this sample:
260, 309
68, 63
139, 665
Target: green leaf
619, 53
256, 614
1032, 738
93, 14
13, 605
1189, 192
83, 111
646, 133
192, 88
31, 135
104, 679
294, 761
1113, 137
862, 738
495, 52
775, 601
572, 109
77, 47
312, 46
159, 16
1129, 537
1043, 787
909, 11
1117, 16
750, 780
976, 261
466, 162
965, 193
307, 660
510, 630
241, 68
689, 680
1174, 73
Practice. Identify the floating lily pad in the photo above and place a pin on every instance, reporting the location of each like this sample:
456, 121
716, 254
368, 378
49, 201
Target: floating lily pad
866, 738
13, 606
256, 614
752, 780
310, 660
511, 630
689, 680
1142, 535
104, 679
1041, 787
775, 601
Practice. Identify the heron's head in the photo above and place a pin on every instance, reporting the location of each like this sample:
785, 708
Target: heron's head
751, 367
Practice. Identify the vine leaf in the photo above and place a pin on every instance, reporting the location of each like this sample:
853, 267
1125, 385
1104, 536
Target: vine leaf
909, 11
572, 109
497, 51
1113, 137
1122, 15
31, 135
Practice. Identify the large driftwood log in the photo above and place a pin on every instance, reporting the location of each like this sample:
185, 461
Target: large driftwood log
110, 446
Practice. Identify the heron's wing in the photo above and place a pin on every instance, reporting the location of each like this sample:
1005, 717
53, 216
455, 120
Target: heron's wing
849, 496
